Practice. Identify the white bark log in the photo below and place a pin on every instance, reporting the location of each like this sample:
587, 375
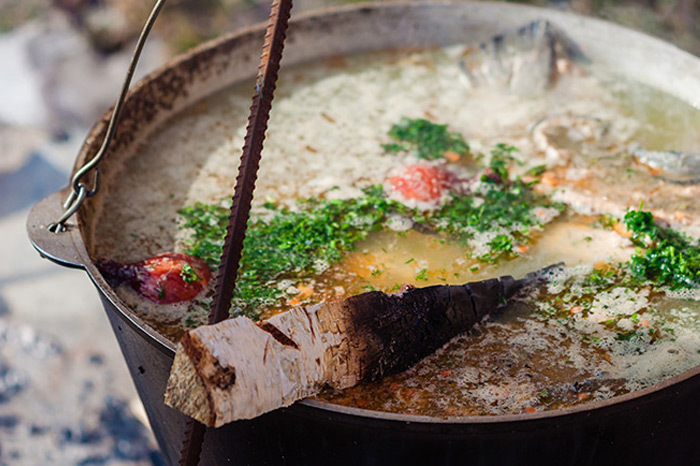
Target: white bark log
238, 369
270, 373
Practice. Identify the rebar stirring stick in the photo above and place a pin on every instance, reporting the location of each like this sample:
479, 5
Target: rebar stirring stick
243, 193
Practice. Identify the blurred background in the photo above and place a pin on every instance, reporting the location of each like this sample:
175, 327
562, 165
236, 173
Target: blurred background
65, 395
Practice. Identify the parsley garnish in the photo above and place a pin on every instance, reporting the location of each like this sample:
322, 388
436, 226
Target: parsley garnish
427, 139
664, 256
291, 244
508, 207
626, 336
501, 157
188, 274
501, 246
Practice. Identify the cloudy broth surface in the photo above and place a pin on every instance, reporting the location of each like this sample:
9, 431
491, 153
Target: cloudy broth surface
573, 340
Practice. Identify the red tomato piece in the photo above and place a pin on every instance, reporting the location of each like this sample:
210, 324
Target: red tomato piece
166, 278
422, 182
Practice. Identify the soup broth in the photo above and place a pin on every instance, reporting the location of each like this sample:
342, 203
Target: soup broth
335, 141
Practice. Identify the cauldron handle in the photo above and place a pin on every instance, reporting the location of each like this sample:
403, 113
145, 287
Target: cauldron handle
66, 248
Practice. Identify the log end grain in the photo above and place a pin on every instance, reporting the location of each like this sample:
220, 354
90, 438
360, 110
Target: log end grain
186, 390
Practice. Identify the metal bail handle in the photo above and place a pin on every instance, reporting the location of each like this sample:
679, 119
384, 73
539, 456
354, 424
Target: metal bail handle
79, 191
73, 202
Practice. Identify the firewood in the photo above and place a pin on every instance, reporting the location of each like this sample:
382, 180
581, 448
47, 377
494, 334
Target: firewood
239, 369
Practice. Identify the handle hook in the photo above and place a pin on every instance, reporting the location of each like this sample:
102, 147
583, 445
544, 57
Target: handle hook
79, 192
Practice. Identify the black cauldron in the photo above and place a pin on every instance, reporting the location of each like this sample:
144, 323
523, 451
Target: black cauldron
659, 425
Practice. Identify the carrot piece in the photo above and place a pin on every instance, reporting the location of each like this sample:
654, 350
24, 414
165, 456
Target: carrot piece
621, 230
549, 179
452, 156
305, 291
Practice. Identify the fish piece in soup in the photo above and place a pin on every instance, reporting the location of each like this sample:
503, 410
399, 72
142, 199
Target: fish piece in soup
560, 137
525, 61
595, 172
670, 165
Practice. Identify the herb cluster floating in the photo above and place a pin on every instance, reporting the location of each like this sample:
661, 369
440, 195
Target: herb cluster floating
427, 139
664, 259
500, 205
665, 256
290, 243
302, 242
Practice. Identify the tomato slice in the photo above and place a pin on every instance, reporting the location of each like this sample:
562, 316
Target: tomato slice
166, 278
422, 182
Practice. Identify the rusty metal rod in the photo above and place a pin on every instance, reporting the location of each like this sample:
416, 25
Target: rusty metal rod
250, 159
192, 443
243, 192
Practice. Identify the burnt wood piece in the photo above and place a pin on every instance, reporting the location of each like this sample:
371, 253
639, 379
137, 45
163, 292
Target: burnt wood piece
239, 369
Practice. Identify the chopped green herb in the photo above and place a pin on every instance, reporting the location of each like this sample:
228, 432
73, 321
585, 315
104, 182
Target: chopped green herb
626, 336
537, 170
509, 207
427, 139
604, 277
501, 157
422, 274
188, 274
501, 247
606, 221
291, 244
502, 207
664, 256
208, 224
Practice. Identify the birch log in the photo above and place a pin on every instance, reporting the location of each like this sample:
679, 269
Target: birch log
239, 369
